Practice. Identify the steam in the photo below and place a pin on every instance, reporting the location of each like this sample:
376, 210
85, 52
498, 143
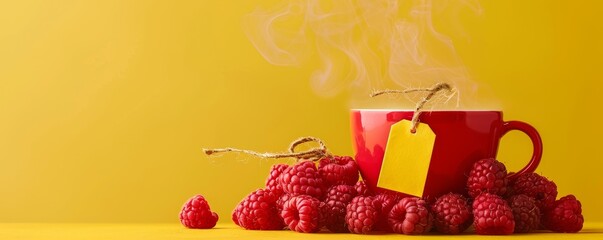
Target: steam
365, 45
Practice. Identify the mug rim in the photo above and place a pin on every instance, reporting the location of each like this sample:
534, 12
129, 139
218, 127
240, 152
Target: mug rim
412, 110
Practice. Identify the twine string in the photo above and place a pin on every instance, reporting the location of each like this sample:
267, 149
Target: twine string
419, 107
313, 154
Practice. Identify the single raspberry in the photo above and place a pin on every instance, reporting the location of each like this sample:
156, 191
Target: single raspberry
362, 189
302, 179
487, 175
197, 214
492, 215
258, 211
538, 187
361, 215
302, 214
281, 201
565, 215
384, 202
334, 207
333, 216
234, 216
410, 216
337, 170
272, 183
525, 213
341, 193
452, 214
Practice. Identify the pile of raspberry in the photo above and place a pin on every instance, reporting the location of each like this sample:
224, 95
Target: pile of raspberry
518, 203
326, 195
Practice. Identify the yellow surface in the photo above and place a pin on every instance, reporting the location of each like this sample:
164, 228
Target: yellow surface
226, 231
105, 105
409, 155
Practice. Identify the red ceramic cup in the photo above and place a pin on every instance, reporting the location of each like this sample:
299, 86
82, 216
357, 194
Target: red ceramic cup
462, 138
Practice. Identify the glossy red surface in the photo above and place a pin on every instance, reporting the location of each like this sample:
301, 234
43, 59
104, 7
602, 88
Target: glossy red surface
462, 137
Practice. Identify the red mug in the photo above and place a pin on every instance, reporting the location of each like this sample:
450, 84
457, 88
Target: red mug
462, 138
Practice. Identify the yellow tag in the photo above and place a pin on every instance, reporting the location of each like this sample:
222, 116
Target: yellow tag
407, 157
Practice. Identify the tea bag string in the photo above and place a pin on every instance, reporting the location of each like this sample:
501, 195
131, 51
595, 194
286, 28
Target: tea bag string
313, 154
419, 107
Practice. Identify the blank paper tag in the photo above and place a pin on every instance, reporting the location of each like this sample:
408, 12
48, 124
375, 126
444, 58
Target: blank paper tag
407, 157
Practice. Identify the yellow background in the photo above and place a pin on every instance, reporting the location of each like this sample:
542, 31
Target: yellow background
105, 105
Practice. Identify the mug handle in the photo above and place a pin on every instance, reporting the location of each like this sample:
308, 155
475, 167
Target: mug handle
536, 142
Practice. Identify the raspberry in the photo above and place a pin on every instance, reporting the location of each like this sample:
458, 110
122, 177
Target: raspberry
272, 183
337, 170
452, 214
565, 215
281, 201
362, 189
341, 193
302, 179
258, 211
487, 175
492, 215
302, 214
410, 216
333, 216
525, 213
538, 187
334, 207
384, 204
234, 216
197, 214
361, 215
